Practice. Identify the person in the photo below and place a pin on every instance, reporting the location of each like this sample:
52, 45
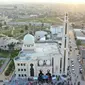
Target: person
40, 77
79, 83
49, 76
45, 78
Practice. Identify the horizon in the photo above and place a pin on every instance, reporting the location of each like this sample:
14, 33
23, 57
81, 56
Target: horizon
43, 1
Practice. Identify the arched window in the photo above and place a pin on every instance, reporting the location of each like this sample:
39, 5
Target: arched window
31, 70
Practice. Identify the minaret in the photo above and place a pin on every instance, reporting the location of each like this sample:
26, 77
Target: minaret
65, 45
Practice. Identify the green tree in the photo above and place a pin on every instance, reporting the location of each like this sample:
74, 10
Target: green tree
21, 31
26, 27
10, 35
5, 23
78, 42
11, 48
0, 24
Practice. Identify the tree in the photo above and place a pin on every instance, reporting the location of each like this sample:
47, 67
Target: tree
10, 35
5, 23
42, 25
11, 47
30, 24
78, 42
0, 24
21, 31
26, 27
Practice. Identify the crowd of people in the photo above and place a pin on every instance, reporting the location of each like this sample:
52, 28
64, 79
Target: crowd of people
45, 78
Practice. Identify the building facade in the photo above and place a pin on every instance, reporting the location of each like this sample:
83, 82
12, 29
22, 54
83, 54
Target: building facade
45, 55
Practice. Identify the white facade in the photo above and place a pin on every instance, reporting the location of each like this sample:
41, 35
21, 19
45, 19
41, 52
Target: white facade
46, 55
43, 56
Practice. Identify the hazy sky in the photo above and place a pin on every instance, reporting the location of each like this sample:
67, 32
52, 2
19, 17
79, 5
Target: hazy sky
50, 1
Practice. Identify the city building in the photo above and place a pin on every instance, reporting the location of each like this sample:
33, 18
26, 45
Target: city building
80, 35
44, 55
56, 32
5, 41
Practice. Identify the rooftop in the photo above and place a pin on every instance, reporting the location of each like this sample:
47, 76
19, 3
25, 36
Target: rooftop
41, 49
79, 34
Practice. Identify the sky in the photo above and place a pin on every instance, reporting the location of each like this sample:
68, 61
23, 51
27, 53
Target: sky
38, 1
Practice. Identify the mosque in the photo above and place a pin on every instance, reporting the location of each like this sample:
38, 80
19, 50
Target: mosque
45, 55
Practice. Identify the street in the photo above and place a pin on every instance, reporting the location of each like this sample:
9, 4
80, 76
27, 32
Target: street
76, 76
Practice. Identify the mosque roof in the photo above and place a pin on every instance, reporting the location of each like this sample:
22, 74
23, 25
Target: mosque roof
28, 38
44, 50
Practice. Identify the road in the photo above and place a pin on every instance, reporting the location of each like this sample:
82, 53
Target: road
74, 55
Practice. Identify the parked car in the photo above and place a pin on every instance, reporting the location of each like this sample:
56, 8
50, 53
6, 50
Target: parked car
80, 71
72, 60
73, 70
72, 65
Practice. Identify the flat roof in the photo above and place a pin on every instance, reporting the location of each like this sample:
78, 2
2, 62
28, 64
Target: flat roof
41, 50
79, 34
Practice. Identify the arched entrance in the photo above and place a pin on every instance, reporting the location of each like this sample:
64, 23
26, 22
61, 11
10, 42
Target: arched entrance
31, 70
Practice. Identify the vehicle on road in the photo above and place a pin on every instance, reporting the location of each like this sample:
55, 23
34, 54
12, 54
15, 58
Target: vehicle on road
79, 60
80, 71
72, 60
73, 70
72, 65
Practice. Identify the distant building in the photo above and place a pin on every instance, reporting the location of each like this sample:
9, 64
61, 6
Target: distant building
56, 32
5, 41
80, 35
82, 51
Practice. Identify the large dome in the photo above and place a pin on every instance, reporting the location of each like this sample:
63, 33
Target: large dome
29, 39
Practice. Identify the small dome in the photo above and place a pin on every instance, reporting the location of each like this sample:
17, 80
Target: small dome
29, 39
48, 62
41, 62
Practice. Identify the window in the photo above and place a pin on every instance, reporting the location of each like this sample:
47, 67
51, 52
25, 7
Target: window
18, 64
25, 45
21, 69
21, 64
24, 64
18, 69
22, 75
24, 69
19, 75
28, 45
25, 75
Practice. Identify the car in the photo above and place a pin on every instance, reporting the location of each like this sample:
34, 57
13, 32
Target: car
72, 69
68, 58
79, 60
80, 71
80, 66
72, 60
72, 65
77, 54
